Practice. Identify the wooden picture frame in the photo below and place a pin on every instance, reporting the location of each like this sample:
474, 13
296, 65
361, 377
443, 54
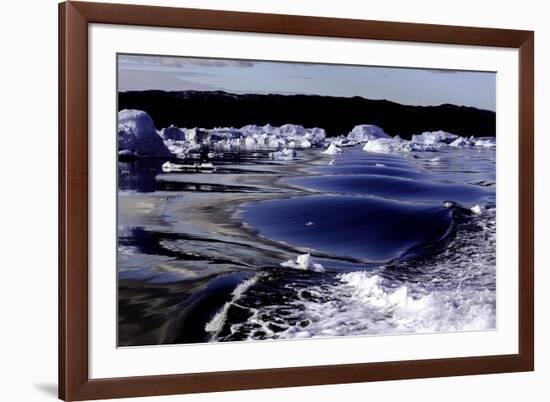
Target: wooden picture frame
74, 381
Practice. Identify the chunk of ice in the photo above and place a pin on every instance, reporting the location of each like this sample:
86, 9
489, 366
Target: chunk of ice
366, 132
332, 150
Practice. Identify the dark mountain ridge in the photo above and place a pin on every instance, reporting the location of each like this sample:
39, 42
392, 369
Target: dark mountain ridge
337, 115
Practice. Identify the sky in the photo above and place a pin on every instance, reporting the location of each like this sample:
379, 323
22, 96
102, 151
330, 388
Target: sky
407, 86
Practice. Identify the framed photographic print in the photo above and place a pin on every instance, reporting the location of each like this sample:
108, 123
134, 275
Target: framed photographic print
259, 200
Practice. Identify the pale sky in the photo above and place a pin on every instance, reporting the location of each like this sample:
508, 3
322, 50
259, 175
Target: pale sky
403, 85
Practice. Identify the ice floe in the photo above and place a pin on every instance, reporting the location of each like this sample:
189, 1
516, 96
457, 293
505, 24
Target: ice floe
169, 167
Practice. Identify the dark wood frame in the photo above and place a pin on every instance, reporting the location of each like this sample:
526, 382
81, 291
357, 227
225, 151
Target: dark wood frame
74, 382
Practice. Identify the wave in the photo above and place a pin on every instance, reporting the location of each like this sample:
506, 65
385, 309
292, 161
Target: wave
367, 228
451, 288
362, 303
215, 325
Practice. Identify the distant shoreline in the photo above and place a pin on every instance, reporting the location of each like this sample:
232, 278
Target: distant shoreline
337, 115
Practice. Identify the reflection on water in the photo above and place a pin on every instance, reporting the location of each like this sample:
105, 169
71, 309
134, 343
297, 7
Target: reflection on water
139, 175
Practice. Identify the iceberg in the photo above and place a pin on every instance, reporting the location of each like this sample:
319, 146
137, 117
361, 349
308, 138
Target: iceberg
316, 136
197, 136
305, 263
138, 137
284, 155
191, 143
172, 133
250, 142
485, 142
385, 145
434, 138
184, 141
460, 142
287, 135
292, 130
425, 142
183, 149
332, 150
342, 141
366, 132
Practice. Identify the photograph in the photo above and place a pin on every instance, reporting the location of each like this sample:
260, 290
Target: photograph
275, 200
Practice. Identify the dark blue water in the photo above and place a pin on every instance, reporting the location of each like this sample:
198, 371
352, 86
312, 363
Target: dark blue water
368, 228
396, 188
397, 259
377, 207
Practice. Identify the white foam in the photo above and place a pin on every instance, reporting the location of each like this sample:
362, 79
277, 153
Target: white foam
305, 263
363, 303
476, 209
450, 291
215, 325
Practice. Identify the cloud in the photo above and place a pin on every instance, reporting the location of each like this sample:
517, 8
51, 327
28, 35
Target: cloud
168, 61
141, 80
172, 72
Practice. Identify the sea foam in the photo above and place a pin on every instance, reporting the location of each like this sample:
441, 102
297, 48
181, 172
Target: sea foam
215, 325
362, 303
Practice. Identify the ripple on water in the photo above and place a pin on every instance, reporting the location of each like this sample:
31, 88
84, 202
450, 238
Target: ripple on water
397, 188
367, 228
